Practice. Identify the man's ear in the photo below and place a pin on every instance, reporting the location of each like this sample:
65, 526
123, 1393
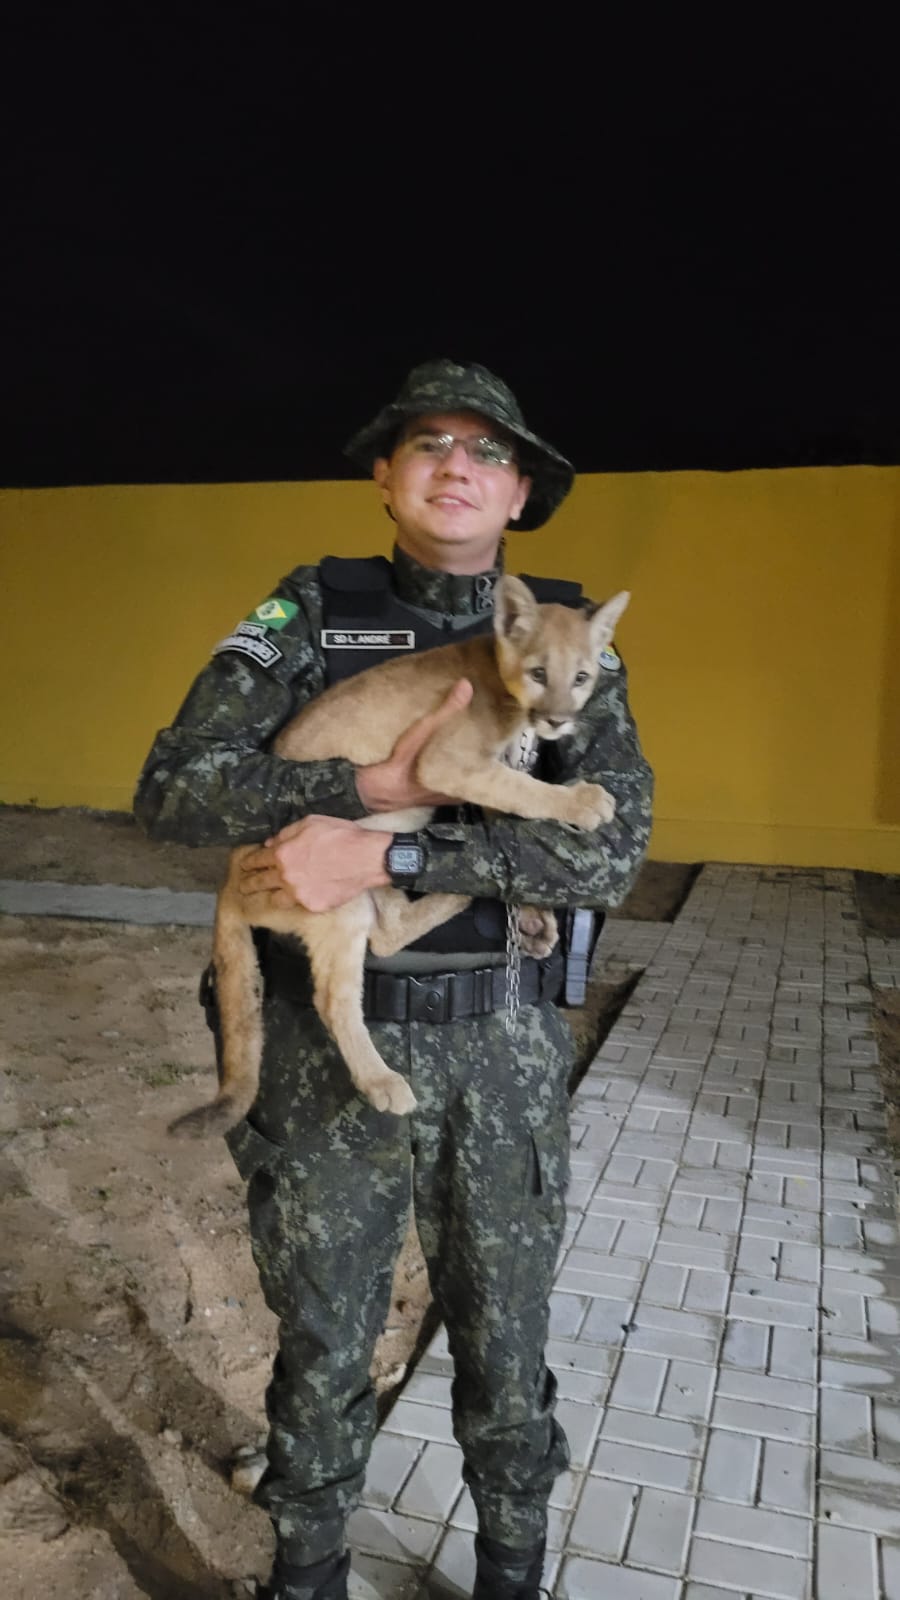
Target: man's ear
515, 609
381, 472
519, 503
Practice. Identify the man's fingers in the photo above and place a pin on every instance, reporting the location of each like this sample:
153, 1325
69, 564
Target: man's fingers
261, 871
257, 860
459, 696
261, 879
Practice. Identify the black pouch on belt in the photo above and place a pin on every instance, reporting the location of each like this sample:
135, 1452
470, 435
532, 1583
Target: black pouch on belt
580, 933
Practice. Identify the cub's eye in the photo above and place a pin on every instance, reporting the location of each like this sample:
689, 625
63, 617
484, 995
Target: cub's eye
538, 674
579, 679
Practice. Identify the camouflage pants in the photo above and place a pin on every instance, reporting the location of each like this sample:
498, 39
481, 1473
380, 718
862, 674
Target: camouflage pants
485, 1157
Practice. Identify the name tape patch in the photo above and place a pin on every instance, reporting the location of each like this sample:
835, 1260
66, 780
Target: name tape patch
368, 639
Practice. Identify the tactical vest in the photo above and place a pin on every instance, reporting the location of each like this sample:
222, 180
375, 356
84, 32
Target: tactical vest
364, 622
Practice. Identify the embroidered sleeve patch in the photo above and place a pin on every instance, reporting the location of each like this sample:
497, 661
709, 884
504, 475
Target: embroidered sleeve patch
274, 613
249, 639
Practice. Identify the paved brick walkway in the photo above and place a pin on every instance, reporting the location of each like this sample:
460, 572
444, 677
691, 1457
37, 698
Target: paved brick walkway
726, 1319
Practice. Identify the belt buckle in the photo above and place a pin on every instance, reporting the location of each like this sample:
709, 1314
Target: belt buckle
428, 998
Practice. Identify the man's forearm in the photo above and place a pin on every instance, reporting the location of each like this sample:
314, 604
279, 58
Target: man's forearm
211, 793
542, 863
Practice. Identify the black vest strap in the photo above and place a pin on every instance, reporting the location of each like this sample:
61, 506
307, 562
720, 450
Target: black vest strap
354, 587
553, 591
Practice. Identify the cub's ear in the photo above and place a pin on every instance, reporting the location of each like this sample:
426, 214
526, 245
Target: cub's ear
604, 620
515, 609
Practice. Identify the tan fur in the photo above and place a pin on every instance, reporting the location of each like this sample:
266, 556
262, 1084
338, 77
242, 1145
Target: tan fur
361, 719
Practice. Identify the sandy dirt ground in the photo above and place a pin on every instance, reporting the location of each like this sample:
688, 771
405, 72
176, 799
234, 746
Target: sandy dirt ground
134, 1343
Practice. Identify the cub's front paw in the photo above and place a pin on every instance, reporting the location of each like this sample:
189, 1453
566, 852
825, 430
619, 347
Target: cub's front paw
590, 804
538, 932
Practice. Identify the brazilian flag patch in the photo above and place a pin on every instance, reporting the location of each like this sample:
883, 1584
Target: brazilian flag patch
274, 613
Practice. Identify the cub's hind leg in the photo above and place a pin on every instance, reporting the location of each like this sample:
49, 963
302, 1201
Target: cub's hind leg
336, 944
400, 922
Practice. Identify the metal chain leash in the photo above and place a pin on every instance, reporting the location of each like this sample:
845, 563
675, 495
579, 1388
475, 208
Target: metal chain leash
513, 968
513, 940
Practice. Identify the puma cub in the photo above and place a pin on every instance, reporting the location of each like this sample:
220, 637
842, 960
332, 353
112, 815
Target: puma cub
533, 676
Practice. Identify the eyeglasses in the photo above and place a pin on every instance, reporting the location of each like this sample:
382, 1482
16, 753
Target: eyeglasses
482, 452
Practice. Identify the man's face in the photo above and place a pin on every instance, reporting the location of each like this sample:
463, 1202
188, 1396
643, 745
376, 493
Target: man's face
451, 506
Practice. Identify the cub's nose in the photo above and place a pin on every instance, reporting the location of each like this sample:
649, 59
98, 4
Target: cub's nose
556, 722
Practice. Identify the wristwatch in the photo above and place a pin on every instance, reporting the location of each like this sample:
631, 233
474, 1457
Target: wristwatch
404, 859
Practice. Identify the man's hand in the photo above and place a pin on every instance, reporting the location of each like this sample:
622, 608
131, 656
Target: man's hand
319, 863
392, 785
322, 862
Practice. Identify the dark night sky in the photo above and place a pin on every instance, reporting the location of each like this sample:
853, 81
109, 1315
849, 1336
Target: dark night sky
228, 239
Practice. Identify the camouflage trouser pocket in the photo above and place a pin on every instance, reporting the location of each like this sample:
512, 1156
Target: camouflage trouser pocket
539, 1228
251, 1151
262, 1166
549, 1175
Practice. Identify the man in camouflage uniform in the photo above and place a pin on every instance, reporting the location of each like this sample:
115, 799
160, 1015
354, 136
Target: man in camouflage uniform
485, 1154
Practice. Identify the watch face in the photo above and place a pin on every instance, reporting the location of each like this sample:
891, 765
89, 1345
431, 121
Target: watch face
405, 858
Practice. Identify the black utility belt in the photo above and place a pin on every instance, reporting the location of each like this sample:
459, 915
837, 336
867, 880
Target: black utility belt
452, 996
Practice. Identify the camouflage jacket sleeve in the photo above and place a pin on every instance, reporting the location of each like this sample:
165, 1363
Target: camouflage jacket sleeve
210, 779
552, 863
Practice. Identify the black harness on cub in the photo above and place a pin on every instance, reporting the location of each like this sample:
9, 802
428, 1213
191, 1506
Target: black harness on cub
364, 622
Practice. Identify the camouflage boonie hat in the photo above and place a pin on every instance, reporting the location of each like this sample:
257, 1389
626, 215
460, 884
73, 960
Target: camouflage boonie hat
447, 386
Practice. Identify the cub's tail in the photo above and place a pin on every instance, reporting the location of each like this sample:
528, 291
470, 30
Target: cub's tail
237, 997
218, 1118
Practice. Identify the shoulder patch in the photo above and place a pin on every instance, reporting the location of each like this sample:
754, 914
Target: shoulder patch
250, 640
274, 613
610, 659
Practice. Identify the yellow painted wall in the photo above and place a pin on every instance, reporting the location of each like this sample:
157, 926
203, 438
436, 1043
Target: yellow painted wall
763, 638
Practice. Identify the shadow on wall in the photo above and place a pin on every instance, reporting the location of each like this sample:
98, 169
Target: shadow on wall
887, 793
